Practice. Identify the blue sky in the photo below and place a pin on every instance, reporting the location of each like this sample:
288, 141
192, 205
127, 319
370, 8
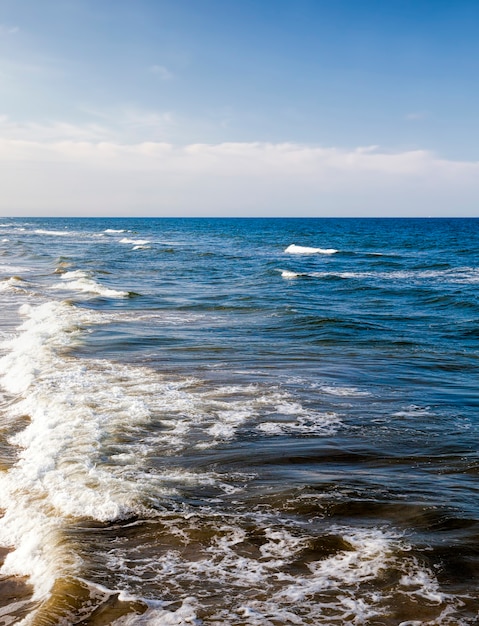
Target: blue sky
87, 84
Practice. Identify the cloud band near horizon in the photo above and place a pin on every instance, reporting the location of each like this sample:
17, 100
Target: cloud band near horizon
76, 177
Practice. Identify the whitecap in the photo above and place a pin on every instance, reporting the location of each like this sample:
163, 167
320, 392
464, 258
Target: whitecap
74, 413
81, 281
16, 269
294, 249
56, 233
135, 242
290, 275
12, 284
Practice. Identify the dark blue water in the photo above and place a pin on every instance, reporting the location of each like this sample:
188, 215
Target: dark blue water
240, 421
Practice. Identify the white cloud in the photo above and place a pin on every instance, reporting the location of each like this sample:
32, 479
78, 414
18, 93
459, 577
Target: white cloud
156, 178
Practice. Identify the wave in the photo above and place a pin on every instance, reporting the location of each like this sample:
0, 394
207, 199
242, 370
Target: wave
65, 233
294, 249
12, 284
135, 242
289, 275
55, 233
163, 318
81, 455
469, 275
16, 269
115, 230
84, 447
334, 390
79, 280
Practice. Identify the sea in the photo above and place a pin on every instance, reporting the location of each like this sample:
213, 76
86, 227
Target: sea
239, 422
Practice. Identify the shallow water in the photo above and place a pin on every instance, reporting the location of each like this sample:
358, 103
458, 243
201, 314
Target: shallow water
268, 421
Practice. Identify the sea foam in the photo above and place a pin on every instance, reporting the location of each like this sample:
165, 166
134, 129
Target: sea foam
264, 563
82, 282
294, 249
55, 233
84, 433
12, 284
75, 415
135, 242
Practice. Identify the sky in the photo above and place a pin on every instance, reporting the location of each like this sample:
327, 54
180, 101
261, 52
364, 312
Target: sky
239, 107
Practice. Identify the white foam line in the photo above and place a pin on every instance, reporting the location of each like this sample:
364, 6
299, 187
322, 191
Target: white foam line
58, 473
294, 249
343, 391
460, 275
55, 233
290, 275
136, 242
14, 269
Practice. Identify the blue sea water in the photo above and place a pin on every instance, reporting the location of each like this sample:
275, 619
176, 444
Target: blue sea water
239, 421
